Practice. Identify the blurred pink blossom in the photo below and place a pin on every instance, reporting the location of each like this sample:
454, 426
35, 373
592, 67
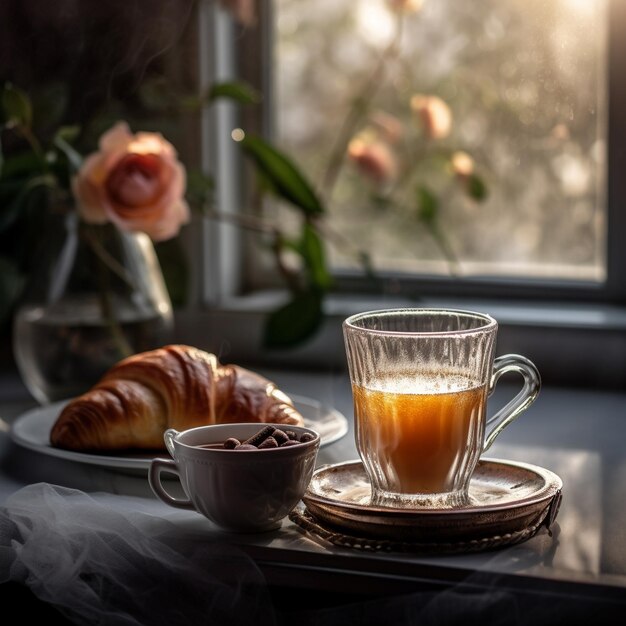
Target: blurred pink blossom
406, 6
374, 159
433, 114
560, 132
462, 164
388, 127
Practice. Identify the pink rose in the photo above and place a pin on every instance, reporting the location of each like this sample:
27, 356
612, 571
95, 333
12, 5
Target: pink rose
134, 181
374, 159
406, 6
560, 132
462, 164
433, 114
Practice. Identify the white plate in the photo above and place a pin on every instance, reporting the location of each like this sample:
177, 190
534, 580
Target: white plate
32, 430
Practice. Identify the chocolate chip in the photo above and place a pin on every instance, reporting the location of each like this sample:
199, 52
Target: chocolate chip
289, 442
246, 446
280, 436
270, 442
267, 438
261, 436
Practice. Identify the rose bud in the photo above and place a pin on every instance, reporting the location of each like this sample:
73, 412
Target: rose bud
387, 127
462, 164
433, 114
373, 159
406, 6
560, 132
134, 181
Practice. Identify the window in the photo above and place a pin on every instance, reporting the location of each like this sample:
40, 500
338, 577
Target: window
528, 102
536, 92
560, 305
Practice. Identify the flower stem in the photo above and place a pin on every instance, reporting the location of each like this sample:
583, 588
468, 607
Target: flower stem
255, 224
107, 309
360, 105
27, 134
112, 323
445, 246
243, 220
109, 261
340, 240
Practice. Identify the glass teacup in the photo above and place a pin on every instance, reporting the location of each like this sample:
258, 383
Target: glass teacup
420, 382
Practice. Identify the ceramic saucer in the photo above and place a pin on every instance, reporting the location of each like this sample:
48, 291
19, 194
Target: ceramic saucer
506, 499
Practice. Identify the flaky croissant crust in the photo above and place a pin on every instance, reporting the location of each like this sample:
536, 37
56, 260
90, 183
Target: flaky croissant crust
177, 387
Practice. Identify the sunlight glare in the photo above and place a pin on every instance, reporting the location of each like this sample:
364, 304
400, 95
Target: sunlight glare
582, 7
374, 22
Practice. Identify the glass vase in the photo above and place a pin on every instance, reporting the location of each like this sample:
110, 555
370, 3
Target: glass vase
96, 296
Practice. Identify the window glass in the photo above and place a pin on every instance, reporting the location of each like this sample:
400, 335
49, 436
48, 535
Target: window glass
477, 146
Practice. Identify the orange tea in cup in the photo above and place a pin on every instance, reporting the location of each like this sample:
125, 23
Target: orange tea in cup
420, 380
416, 434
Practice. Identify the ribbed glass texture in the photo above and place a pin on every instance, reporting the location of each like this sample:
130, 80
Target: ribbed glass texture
420, 381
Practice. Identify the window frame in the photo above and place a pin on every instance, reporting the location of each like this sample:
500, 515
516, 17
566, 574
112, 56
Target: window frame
612, 290
575, 332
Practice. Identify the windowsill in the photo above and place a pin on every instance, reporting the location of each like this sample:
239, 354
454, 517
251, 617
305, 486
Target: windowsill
572, 344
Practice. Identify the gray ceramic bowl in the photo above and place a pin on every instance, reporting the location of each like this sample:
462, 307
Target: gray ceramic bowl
247, 490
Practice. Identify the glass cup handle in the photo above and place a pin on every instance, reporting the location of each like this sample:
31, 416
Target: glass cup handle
528, 394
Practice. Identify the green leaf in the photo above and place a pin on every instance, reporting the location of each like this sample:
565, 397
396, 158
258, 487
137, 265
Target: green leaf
73, 157
10, 211
191, 103
476, 188
175, 268
200, 188
315, 258
295, 322
427, 204
17, 105
68, 133
239, 92
365, 259
21, 164
285, 178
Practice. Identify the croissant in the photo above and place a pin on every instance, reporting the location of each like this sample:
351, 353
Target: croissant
173, 387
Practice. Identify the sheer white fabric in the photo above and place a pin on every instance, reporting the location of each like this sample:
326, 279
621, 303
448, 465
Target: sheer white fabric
123, 560
110, 561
